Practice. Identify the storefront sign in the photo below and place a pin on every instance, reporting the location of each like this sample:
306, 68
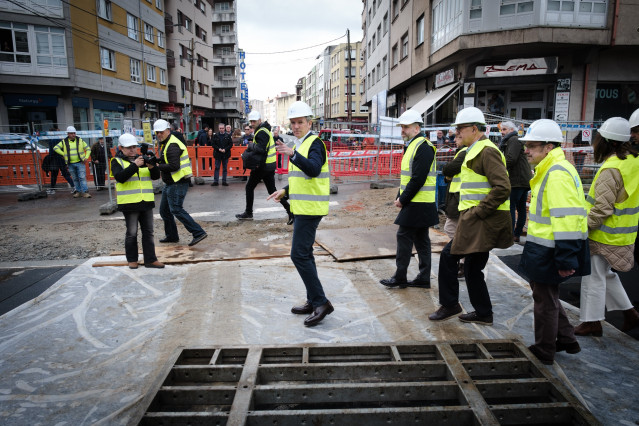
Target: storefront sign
80, 102
244, 96
167, 115
615, 100
30, 100
519, 67
562, 99
108, 105
152, 107
171, 108
444, 78
198, 112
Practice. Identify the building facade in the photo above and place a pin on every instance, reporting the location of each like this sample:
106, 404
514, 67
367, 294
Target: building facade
344, 74
375, 55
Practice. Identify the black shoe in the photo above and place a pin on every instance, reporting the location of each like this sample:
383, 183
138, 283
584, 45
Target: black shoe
473, 317
392, 282
304, 309
167, 240
225, 184
214, 184
291, 218
571, 348
419, 283
244, 216
544, 360
318, 314
444, 313
196, 240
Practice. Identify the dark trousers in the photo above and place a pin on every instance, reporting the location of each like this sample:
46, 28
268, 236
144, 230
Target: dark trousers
98, 174
518, 198
65, 174
304, 229
551, 323
474, 264
171, 207
406, 237
216, 174
256, 177
145, 218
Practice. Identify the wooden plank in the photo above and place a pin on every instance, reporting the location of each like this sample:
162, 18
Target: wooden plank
368, 242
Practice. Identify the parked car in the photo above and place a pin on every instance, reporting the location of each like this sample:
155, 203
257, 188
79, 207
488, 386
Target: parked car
15, 143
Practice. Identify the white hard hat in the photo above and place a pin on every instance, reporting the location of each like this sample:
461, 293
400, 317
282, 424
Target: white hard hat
299, 109
543, 130
70, 129
616, 129
470, 115
410, 116
127, 139
161, 125
254, 115
634, 119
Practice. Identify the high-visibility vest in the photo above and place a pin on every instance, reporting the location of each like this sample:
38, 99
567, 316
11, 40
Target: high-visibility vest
475, 187
455, 184
77, 151
137, 188
557, 205
185, 164
307, 195
270, 148
620, 228
426, 193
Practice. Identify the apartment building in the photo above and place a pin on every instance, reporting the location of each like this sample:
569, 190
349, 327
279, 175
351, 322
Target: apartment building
337, 85
524, 59
375, 55
80, 62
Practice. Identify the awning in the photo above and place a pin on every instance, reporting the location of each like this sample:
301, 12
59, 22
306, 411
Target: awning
433, 97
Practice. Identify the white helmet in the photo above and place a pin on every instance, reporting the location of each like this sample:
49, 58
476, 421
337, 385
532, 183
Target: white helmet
70, 129
299, 109
616, 129
544, 130
410, 116
470, 115
254, 115
127, 139
634, 119
161, 125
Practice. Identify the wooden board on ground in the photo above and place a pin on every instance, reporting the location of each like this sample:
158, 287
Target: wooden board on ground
373, 242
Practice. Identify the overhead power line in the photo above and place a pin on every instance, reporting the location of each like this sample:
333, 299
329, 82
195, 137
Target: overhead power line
296, 50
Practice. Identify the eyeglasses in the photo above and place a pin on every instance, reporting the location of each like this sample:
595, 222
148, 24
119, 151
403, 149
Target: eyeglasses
459, 128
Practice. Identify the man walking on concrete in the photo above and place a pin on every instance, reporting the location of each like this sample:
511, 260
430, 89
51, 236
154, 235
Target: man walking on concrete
75, 152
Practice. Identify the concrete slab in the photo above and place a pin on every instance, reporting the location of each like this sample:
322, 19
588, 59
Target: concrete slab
89, 349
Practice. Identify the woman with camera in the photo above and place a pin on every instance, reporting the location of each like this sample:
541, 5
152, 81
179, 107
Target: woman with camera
134, 174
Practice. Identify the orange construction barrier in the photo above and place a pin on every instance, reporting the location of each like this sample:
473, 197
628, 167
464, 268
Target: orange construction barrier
18, 169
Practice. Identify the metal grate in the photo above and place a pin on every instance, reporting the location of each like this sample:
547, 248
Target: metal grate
457, 383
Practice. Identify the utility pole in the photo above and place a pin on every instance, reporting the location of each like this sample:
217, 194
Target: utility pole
191, 84
349, 86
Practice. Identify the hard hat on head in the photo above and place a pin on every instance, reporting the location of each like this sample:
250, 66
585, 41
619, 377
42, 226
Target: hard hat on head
543, 130
616, 129
161, 125
70, 129
410, 116
470, 115
634, 119
254, 115
299, 109
127, 139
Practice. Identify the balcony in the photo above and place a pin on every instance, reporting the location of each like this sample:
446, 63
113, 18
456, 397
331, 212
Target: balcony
224, 17
228, 60
170, 58
227, 38
172, 94
224, 82
168, 24
230, 103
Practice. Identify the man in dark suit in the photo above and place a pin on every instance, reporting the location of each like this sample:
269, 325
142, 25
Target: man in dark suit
416, 199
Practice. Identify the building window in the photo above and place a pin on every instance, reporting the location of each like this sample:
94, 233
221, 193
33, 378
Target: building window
160, 39
222, 7
104, 9
132, 26
384, 65
385, 23
159, 4
374, 44
228, 93
107, 59
404, 42
50, 47
419, 31
475, 9
150, 72
226, 51
395, 9
135, 71
379, 33
511, 7
394, 54
188, 24
373, 77
162, 77
148, 33
226, 29
379, 71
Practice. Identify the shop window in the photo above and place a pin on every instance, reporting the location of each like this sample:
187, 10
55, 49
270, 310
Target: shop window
132, 26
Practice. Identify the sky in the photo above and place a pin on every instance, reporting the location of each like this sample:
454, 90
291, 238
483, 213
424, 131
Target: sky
269, 26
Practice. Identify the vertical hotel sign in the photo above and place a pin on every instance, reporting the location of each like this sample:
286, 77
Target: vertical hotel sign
243, 87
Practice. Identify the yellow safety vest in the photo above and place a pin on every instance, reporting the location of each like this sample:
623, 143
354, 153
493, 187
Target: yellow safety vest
455, 184
308, 196
137, 188
475, 187
78, 150
557, 205
620, 228
426, 193
270, 148
185, 164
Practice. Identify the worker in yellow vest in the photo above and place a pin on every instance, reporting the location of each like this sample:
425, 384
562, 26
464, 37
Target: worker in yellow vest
308, 191
484, 222
75, 152
634, 141
136, 200
613, 211
175, 168
416, 199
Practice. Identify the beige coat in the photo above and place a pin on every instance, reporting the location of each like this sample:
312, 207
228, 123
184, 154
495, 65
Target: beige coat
483, 227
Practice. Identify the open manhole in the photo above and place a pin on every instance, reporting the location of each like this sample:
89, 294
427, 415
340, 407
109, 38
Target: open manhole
477, 382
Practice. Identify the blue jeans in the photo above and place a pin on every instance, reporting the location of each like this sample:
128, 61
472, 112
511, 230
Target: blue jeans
79, 174
518, 197
171, 207
304, 229
216, 173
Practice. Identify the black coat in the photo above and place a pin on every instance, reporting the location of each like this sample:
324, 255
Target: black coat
261, 140
519, 170
173, 155
222, 141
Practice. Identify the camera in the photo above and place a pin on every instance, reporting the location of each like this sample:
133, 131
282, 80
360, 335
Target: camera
148, 156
